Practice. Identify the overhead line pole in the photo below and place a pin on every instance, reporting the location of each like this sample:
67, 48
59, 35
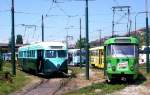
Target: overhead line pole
129, 22
113, 23
147, 37
87, 41
13, 40
42, 28
80, 46
100, 33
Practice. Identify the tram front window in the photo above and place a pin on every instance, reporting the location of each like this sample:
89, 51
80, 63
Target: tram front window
50, 54
62, 53
123, 50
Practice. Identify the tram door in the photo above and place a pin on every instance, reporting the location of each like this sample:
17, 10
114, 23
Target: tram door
40, 65
100, 57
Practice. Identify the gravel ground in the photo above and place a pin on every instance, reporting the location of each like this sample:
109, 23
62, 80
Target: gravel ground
80, 81
134, 90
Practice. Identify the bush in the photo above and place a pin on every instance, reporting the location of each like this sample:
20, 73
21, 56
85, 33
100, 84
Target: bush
1, 62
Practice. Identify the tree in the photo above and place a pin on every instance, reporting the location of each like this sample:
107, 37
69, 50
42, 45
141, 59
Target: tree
19, 39
83, 43
1, 61
9, 44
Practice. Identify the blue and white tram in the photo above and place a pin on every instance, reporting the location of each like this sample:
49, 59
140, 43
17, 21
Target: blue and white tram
44, 57
74, 57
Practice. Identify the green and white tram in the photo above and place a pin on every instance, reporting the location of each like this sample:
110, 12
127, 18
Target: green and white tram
44, 57
121, 58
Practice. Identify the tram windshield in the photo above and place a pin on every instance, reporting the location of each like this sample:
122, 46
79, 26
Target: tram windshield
62, 53
123, 50
55, 53
50, 54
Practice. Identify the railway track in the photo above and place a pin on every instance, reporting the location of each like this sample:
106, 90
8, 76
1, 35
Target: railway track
46, 86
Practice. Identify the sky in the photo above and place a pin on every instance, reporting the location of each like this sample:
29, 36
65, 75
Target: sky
63, 17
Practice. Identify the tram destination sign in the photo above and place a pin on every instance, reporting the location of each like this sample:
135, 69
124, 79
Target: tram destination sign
56, 47
122, 40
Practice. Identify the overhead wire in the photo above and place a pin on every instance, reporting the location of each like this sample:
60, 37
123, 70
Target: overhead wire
51, 7
28, 13
115, 1
62, 10
1, 11
121, 18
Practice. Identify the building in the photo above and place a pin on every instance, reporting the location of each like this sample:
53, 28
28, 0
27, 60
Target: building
4, 47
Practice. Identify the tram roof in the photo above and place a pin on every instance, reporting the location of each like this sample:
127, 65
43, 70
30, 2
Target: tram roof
122, 40
72, 50
96, 48
44, 46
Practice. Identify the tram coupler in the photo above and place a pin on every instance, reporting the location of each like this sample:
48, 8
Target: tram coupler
123, 78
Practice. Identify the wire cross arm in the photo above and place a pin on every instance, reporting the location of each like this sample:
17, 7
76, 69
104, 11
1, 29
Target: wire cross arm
121, 8
59, 1
83, 0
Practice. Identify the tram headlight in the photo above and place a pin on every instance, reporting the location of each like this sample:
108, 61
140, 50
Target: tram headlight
109, 65
131, 68
113, 68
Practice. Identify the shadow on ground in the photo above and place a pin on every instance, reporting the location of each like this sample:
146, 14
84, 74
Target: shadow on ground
141, 79
50, 76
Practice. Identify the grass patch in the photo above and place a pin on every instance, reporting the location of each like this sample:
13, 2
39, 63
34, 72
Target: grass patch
143, 71
77, 70
98, 89
17, 82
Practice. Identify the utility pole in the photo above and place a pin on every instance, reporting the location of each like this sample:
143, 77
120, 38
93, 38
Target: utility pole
42, 28
147, 37
100, 37
87, 41
129, 22
13, 40
80, 46
113, 23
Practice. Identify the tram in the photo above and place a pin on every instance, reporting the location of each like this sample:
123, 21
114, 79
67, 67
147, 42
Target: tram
44, 57
97, 57
121, 58
74, 57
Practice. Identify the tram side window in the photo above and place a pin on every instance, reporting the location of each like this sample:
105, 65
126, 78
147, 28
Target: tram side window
91, 53
28, 54
108, 50
32, 53
21, 54
94, 53
101, 52
25, 53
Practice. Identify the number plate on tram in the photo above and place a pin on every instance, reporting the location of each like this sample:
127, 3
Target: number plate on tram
123, 64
